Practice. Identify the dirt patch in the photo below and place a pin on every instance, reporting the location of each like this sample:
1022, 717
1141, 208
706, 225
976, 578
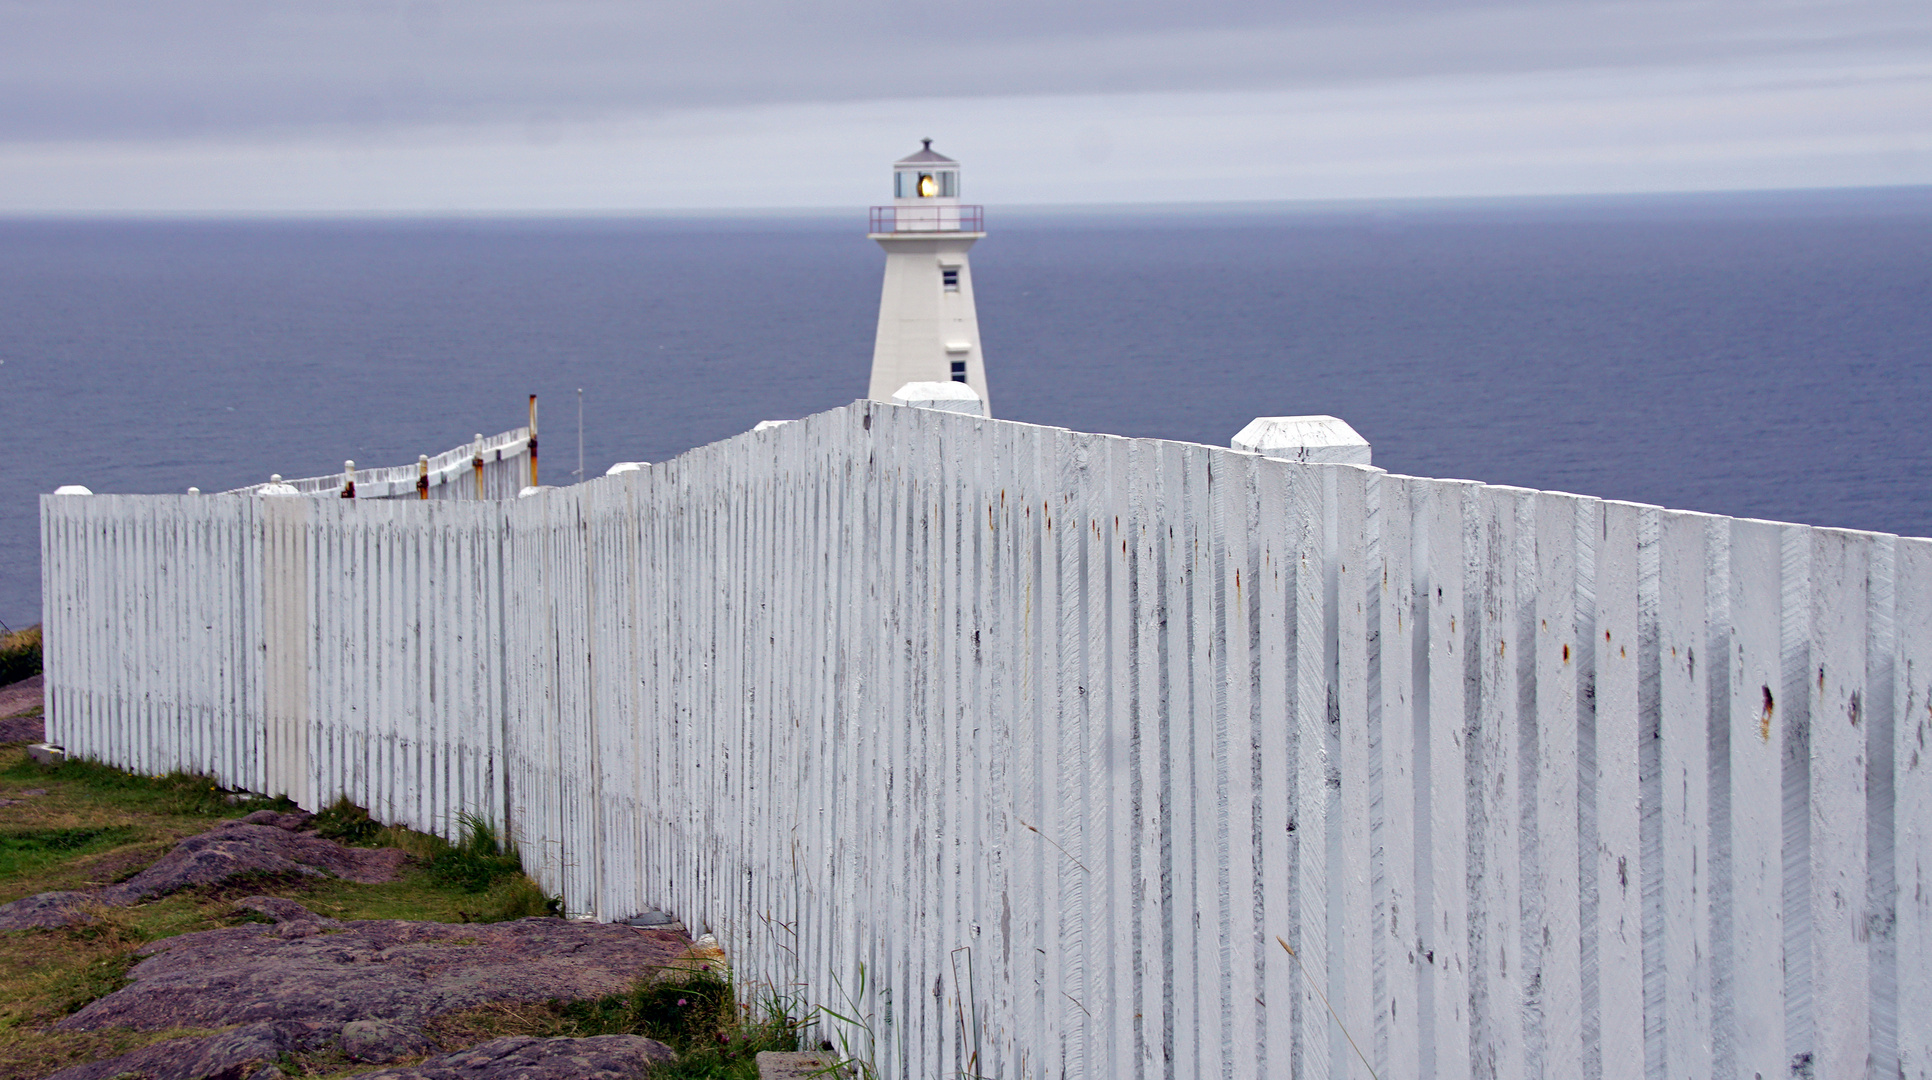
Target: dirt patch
313, 970
233, 1055
21, 697
25, 797
116, 867
601, 1057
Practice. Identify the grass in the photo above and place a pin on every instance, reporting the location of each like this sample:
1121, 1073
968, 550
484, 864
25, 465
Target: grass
346, 823
19, 655
695, 1012
24, 851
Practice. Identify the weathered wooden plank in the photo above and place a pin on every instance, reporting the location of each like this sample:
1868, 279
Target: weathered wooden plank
1498, 980
1357, 737
1840, 930
1756, 838
1618, 929
1314, 760
1557, 925
1276, 567
1912, 807
1397, 604
1445, 518
1686, 650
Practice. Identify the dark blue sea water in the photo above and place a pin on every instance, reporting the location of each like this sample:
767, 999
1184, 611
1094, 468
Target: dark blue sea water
1766, 355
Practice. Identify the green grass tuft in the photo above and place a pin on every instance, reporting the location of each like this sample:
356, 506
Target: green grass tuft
177, 793
518, 897
345, 822
693, 1011
19, 655
24, 851
476, 861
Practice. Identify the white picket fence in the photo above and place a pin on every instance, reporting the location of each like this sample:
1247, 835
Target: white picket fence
487, 467
1042, 750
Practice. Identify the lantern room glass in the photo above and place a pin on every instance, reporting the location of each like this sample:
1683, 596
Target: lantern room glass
941, 184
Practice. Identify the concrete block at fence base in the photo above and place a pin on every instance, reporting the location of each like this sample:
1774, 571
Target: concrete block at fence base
777, 1065
1318, 439
46, 754
650, 918
942, 396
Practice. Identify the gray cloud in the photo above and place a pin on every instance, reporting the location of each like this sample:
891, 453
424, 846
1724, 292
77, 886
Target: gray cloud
115, 71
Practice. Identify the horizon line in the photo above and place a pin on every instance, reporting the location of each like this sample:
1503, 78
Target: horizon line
1230, 207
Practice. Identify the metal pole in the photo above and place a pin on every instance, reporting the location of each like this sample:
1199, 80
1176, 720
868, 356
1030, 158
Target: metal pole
422, 476
476, 463
580, 435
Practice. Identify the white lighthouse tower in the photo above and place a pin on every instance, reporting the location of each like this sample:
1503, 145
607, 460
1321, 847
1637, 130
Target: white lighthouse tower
928, 329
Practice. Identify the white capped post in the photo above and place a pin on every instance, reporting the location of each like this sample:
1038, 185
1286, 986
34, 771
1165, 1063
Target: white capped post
944, 396
928, 327
1316, 439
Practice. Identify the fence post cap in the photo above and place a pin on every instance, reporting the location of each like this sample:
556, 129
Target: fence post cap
940, 396
72, 489
1323, 439
276, 487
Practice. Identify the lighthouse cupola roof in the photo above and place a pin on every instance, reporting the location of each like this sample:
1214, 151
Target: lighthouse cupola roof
926, 155
925, 177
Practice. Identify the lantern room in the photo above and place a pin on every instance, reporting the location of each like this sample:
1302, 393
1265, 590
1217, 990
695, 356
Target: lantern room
925, 197
925, 178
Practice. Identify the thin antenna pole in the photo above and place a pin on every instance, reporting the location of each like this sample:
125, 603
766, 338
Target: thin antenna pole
580, 433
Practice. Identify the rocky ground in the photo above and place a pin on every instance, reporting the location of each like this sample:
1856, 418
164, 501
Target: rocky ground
299, 982
291, 986
303, 983
319, 971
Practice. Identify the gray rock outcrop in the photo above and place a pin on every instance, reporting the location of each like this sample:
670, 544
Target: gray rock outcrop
313, 970
230, 1055
264, 842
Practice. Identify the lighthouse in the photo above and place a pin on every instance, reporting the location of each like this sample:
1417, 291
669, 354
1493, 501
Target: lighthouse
928, 328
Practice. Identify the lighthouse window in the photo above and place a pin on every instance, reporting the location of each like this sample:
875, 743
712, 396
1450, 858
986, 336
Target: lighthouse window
959, 371
908, 185
949, 276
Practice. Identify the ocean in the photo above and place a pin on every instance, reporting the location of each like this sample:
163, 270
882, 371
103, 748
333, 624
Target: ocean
1765, 355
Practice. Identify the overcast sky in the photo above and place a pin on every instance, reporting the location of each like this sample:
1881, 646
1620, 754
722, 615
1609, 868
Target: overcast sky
418, 106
